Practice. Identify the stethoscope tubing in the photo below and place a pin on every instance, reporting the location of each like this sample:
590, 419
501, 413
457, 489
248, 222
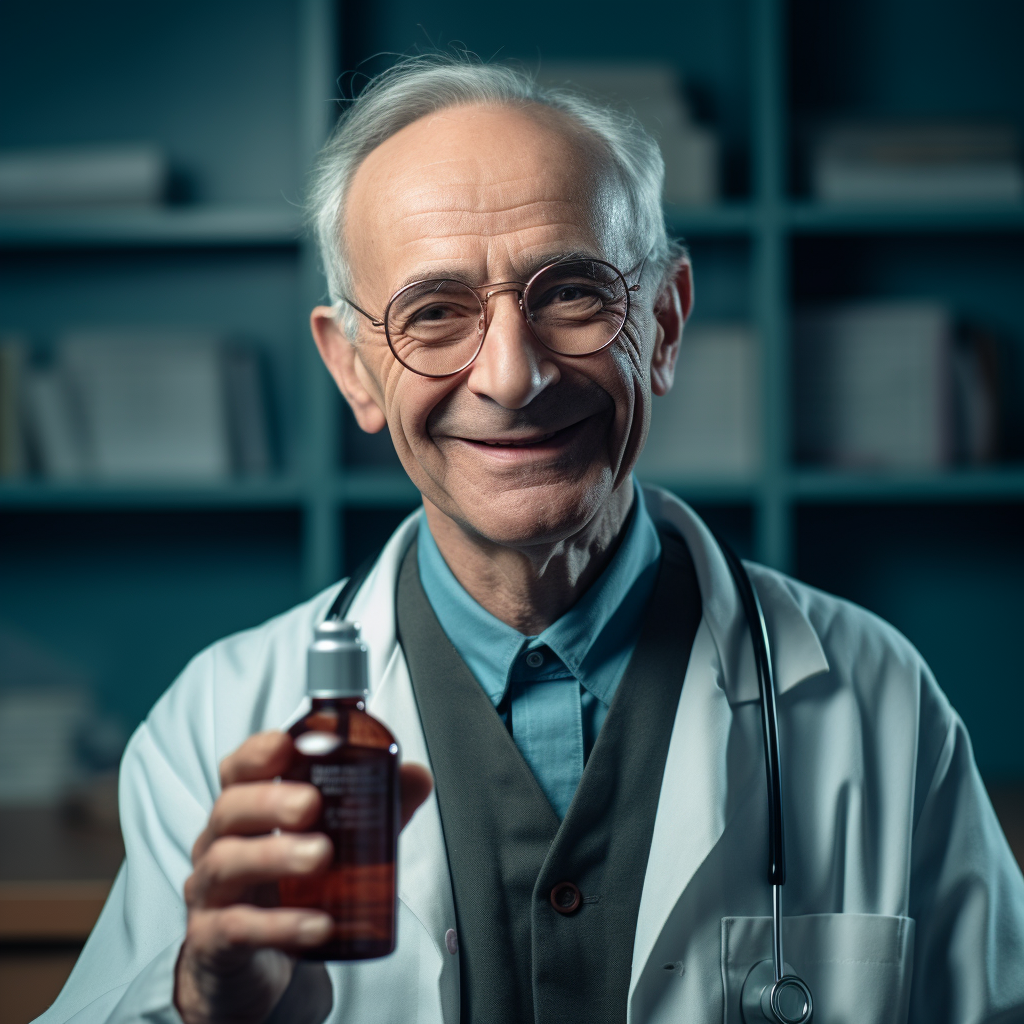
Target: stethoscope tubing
758, 630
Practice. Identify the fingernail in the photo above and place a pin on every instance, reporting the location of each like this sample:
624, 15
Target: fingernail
299, 798
314, 930
312, 848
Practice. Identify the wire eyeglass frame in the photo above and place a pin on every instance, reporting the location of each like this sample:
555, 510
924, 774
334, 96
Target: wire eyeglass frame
522, 290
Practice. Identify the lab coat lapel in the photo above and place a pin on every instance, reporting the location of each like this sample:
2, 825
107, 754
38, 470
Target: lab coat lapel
715, 755
692, 808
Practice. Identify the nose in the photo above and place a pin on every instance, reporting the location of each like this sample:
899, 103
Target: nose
513, 368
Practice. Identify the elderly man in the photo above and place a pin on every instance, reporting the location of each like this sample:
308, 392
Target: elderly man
565, 651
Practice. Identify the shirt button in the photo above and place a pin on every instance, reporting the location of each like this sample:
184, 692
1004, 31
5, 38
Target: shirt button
451, 941
566, 898
535, 659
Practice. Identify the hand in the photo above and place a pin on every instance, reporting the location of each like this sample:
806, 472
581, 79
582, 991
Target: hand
235, 962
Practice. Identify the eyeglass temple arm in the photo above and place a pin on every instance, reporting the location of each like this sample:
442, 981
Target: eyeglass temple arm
373, 320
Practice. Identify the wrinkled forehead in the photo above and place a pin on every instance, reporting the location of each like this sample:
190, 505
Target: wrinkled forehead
484, 192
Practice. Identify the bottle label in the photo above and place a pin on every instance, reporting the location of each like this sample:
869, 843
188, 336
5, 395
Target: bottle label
355, 795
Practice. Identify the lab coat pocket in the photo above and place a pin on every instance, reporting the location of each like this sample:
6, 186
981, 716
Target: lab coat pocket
857, 966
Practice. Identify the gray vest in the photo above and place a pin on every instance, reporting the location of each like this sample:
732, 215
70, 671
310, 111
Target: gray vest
522, 959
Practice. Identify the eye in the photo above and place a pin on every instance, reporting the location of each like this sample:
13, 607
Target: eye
430, 313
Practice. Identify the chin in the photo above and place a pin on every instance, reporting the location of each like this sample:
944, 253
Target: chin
523, 514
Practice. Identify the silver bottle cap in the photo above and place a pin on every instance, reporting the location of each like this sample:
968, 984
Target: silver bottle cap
337, 661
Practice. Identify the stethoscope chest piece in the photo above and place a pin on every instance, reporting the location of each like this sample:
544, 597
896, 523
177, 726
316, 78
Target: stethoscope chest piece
786, 1001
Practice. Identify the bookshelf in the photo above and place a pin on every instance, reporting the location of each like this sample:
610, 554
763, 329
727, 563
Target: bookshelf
322, 512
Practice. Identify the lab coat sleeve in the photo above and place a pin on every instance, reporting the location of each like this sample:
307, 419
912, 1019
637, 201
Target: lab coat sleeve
967, 893
126, 971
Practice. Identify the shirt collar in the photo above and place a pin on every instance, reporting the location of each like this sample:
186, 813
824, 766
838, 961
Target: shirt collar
593, 639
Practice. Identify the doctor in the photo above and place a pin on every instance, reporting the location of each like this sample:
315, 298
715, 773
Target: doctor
565, 651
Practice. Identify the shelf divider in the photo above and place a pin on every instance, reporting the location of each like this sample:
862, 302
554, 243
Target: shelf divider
770, 280
322, 540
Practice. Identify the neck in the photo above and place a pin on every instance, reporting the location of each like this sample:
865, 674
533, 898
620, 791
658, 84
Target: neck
530, 586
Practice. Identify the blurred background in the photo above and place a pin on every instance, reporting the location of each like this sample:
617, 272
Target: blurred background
175, 465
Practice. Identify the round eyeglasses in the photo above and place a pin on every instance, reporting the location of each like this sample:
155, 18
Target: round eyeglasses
573, 307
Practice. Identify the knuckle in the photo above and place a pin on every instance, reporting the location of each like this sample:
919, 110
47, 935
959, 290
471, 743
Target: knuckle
220, 860
235, 926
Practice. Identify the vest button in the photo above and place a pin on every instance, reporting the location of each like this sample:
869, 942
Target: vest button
451, 941
566, 898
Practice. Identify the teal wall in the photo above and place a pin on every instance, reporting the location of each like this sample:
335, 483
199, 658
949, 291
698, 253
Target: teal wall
129, 585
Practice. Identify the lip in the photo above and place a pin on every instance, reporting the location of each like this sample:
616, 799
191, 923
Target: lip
518, 449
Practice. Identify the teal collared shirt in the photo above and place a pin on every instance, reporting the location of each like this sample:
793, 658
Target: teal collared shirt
553, 691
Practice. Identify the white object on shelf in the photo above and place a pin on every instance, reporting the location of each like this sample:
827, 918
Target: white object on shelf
872, 385
44, 704
918, 164
153, 402
709, 424
691, 167
38, 729
13, 351
110, 175
652, 93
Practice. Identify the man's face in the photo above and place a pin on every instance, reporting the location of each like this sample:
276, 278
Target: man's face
524, 446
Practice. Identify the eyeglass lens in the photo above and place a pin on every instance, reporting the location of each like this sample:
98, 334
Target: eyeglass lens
575, 308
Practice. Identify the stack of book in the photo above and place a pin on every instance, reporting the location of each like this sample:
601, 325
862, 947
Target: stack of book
83, 176
653, 94
135, 406
886, 385
709, 424
918, 163
45, 703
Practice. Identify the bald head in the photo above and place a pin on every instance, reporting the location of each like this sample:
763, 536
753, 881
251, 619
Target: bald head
518, 176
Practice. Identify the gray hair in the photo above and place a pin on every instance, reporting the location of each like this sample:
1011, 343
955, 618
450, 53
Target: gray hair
417, 86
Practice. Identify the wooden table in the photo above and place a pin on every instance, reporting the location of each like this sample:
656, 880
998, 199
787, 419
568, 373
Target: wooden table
55, 873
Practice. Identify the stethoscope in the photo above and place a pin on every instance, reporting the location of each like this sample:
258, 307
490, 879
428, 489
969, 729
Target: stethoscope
769, 994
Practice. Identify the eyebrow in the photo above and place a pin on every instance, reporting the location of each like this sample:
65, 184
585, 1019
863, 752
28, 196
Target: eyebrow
525, 271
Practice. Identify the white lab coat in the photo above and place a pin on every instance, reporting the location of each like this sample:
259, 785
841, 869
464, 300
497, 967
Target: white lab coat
903, 900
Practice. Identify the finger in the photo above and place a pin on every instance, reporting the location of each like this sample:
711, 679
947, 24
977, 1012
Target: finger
263, 756
256, 808
218, 935
415, 783
233, 865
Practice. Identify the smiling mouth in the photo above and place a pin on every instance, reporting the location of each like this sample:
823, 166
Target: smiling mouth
536, 441
519, 442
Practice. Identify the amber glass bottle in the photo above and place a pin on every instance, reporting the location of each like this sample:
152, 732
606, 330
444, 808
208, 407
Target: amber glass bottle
353, 760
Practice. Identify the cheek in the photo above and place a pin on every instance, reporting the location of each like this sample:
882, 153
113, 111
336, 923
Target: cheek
632, 361
408, 402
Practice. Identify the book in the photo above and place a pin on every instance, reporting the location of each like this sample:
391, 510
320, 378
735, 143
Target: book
13, 350
100, 175
709, 424
872, 385
56, 432
652, 93
153, 402
248, 417
918, 163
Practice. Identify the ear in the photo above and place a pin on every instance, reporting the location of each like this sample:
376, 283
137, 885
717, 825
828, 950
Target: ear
671, 311
341, 358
